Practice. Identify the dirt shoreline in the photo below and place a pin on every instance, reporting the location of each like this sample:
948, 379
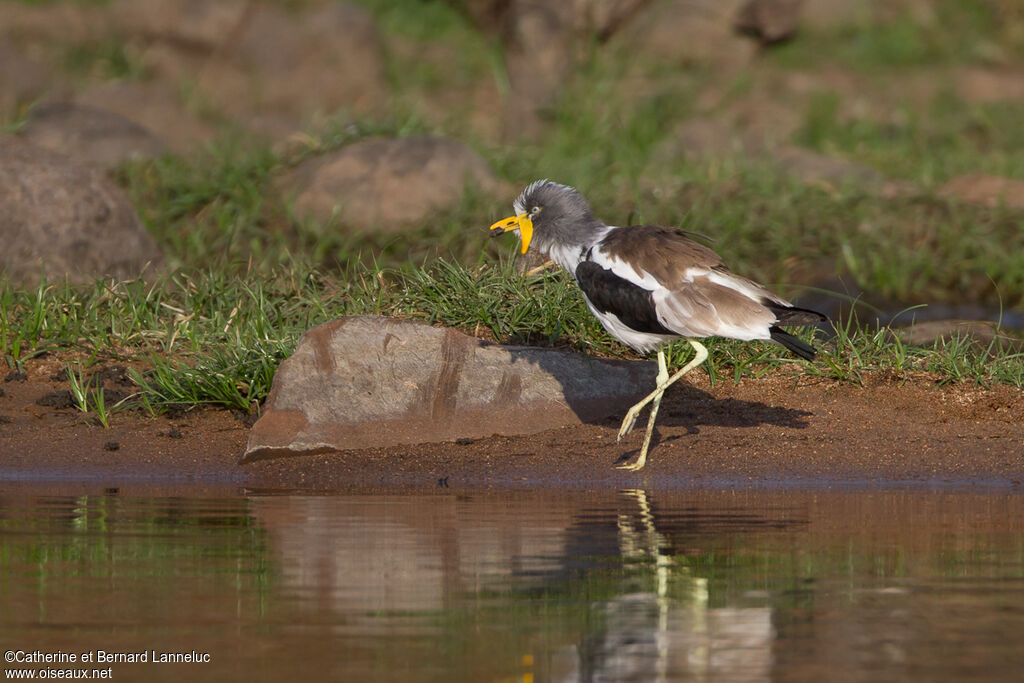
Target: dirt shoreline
780, 431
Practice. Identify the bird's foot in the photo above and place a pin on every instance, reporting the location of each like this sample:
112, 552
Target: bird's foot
629, 421
632, 466
642, 459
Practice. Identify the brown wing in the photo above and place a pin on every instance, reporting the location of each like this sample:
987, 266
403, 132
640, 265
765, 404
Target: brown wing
663, 252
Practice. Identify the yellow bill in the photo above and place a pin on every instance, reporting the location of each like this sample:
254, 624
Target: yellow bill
522, 223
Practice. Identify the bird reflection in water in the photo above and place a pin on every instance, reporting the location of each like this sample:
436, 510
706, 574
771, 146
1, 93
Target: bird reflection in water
666, 629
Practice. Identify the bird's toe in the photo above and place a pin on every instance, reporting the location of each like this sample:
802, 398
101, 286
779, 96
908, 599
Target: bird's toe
627, 425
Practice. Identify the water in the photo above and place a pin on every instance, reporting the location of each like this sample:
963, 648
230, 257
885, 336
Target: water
518, 586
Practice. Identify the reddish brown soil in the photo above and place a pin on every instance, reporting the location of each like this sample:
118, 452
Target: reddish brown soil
779, 431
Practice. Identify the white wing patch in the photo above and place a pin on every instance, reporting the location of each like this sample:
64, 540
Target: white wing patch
624, 270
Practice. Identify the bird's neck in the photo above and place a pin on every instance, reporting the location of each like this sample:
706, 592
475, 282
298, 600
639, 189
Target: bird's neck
569, 245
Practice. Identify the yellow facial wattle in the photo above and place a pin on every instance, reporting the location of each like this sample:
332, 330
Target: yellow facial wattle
522, 223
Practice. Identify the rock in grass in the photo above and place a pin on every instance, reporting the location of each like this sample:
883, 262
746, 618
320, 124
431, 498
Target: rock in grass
769, 21
688, 32
65, 219
365, 382
326, 61
703, 138
983, 333
814, 168
156, 106
986, 190
197, 25
388, 184
90, 135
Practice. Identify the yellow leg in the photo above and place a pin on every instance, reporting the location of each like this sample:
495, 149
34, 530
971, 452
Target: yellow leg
663, 383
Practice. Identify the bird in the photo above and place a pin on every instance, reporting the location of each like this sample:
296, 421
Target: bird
649, 285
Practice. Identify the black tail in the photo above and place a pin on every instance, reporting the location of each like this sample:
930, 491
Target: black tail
791, 315
797, 346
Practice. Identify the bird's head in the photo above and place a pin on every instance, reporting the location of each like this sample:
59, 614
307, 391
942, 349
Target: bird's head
547, 212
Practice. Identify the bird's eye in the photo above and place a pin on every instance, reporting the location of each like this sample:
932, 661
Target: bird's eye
534, 211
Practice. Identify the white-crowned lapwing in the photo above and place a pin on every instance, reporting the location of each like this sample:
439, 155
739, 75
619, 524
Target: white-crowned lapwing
650, 285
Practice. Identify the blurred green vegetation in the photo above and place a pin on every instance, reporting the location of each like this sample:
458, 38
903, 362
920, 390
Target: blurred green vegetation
900, 36
108, 59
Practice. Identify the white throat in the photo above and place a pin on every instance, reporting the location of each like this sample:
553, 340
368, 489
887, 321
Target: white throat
570, 255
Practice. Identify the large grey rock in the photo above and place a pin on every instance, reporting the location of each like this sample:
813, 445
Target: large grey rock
89, 135
367, 382
65, 219
387, 184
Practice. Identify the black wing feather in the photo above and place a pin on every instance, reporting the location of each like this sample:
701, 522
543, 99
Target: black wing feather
797, 346
791, 315
629, 302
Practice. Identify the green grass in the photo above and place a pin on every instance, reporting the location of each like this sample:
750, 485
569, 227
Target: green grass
217, 340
